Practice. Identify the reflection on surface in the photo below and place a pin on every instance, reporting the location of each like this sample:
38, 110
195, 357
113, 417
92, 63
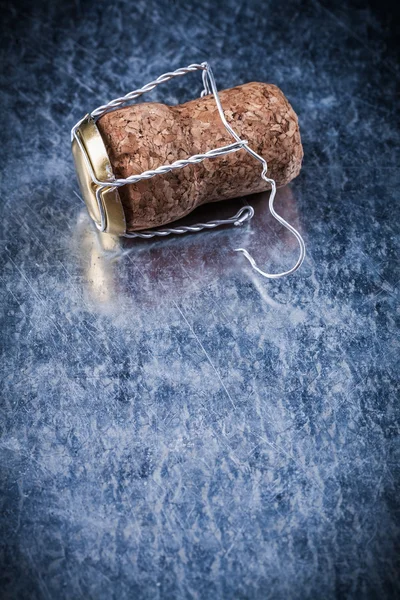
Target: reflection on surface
114, 265
96, 249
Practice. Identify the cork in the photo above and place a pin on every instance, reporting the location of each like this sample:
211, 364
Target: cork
148, 135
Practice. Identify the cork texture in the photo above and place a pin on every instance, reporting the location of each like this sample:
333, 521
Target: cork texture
145, 136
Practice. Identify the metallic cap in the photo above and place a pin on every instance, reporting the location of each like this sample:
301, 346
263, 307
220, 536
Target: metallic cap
90, 157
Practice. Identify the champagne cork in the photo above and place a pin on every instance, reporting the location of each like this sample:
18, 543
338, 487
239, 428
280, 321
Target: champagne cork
145, 136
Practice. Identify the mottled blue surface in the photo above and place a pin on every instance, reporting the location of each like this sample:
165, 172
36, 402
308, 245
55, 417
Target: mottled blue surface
172, 425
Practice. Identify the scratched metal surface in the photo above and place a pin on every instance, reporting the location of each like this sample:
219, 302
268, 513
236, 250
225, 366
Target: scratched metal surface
172, 425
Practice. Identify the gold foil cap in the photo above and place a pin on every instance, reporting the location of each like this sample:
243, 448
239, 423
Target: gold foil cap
90, 154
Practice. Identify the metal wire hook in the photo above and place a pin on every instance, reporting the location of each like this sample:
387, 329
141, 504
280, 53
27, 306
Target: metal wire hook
289, 227
208, 75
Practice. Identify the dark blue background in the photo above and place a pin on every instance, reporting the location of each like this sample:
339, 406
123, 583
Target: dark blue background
172, 425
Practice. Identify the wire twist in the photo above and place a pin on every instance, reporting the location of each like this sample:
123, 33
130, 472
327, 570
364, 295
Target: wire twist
178, 164
101, 110
244, 214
